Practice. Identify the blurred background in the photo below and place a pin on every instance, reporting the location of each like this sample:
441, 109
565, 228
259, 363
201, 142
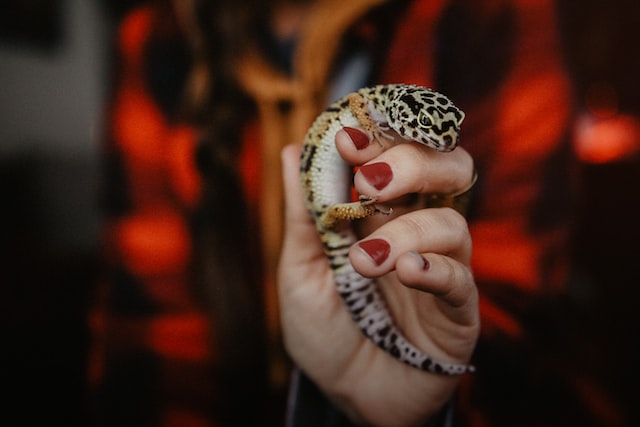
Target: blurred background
54, 76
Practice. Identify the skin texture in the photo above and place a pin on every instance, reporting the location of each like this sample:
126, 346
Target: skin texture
437, 308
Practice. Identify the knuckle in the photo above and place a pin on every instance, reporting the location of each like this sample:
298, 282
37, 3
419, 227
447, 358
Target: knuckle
455, 224
450, 270
457, 279
417, 224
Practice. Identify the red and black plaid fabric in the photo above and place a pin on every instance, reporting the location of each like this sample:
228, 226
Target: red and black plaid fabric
153, 354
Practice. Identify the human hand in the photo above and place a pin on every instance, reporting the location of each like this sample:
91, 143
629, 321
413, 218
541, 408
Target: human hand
425, 279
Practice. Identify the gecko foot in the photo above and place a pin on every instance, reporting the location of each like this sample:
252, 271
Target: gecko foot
370, 202
363, 208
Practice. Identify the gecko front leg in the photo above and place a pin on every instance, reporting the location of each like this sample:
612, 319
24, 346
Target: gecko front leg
371, 120
365, 207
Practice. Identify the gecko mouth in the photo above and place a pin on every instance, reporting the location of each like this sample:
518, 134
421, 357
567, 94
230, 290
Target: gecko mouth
443, 144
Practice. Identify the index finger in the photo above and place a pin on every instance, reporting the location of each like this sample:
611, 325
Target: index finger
413, 168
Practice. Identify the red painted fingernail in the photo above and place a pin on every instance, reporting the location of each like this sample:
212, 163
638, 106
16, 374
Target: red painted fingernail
359, 138
424, 263
377, 249
377, 174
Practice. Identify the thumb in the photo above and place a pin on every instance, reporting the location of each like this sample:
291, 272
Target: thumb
294, 206
301, 241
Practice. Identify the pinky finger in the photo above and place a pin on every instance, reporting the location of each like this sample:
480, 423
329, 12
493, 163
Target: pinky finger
449, 280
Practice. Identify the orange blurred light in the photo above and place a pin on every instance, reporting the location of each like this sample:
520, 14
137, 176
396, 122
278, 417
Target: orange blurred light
180, 336
604, 139
134, 30
139, 127
154, 243
180, 152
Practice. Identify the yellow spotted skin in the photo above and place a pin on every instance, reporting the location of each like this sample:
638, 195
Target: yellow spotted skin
415, 113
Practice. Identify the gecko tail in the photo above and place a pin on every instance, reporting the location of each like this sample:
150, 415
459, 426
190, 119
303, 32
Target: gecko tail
369, 311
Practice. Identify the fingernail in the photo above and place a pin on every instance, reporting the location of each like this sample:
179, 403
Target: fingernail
377, 249
359, 138
422, 261
377, 174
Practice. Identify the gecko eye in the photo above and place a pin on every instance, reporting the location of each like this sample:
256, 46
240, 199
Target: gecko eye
425, 119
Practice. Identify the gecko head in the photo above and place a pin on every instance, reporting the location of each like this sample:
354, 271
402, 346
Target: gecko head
422, 115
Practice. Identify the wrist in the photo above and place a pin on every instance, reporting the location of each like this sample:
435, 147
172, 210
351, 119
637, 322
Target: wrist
402, 396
